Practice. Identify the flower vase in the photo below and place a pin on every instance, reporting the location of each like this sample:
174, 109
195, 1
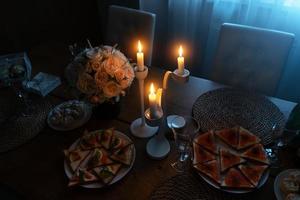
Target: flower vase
108, 109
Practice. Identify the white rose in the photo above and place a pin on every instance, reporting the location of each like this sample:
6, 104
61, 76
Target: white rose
111, 89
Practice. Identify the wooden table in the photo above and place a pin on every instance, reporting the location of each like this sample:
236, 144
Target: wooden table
36, 168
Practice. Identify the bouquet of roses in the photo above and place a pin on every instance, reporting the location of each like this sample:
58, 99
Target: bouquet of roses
104, 73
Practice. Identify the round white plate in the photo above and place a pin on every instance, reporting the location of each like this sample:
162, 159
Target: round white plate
76, 123
262, 181
279, 195
123, 171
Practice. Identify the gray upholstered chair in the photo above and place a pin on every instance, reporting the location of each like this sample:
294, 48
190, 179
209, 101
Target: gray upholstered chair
126, 26
251, 58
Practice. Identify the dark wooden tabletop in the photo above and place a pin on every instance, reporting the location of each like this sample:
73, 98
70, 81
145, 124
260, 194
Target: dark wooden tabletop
36, 168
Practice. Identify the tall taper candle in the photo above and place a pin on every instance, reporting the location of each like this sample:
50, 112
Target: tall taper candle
140, 57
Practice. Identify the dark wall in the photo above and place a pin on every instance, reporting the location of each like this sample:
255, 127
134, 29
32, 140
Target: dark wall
25, 24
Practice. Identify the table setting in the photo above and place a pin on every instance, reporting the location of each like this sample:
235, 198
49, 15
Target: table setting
224, 149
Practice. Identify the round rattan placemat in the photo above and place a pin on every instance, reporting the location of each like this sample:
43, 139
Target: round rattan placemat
17, 128
187, 187
227, 107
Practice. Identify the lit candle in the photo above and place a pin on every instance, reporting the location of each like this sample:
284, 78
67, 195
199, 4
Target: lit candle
152, 100
180, 61
140, 57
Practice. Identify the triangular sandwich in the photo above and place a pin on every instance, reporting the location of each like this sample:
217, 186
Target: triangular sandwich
107, 173
123, 155
210, 169
253, 172
201, 155
228, 159
246, 139
74, 158
99, 157
90, 140
119, 142
230, 136
235, 179
207, 140
257, 153
82, 177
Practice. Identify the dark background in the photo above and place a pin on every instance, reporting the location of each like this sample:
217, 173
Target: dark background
28, 23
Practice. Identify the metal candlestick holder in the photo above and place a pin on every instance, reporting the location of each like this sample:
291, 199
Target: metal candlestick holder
138, 127
158, 146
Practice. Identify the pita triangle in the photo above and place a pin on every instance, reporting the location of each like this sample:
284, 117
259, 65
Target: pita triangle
201, 155
228, 159
246, 139
257, 153
207, 140
234, 179
253, 172
230, 136
210, 169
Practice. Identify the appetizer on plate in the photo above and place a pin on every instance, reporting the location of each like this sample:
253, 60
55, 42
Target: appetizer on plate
290, 185
210, 169
207, 140
233, 158
98, 157
235, 179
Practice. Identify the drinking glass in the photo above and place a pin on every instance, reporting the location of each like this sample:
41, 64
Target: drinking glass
184, 130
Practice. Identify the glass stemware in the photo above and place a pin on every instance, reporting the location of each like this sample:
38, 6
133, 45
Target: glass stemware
184, 130
280, 140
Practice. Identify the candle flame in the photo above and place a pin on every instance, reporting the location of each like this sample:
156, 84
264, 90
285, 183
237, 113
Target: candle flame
140, 47
180, 51
152, 90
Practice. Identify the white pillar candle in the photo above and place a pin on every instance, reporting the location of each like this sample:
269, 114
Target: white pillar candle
180, 61
140, 57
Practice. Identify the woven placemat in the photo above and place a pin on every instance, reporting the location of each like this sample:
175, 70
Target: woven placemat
17, 128
187, 187
227, 107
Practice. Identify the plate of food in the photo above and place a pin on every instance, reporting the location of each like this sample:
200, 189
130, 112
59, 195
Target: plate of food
99, 158
69, 115
287, 185
231, 159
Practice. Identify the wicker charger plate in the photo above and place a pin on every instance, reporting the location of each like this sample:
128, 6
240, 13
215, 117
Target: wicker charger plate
187, 187
226, 107
17, 129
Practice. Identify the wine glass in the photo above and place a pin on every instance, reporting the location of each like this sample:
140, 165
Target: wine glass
184, 130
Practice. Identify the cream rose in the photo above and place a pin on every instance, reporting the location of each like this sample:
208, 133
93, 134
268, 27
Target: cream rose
86, 84
111, 89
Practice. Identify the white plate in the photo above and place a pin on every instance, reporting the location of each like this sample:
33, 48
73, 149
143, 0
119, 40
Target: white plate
123, 171
76, 123
262, 181
279, 195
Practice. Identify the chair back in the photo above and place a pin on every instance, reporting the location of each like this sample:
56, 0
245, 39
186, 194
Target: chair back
126, 26
251, 58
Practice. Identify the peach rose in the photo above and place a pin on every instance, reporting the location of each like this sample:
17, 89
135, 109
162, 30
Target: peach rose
101, 78
125, 83
111, 89
119, 75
